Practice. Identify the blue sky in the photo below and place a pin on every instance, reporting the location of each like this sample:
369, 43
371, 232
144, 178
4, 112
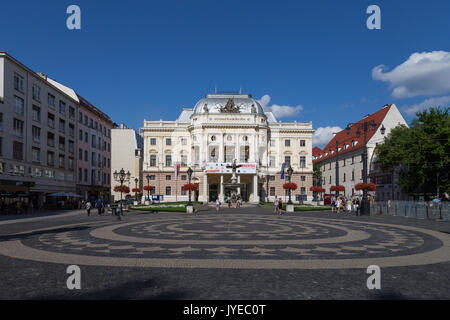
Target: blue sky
148, 59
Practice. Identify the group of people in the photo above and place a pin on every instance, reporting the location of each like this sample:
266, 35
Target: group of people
278, 205
233, 201
347, 205
98, 204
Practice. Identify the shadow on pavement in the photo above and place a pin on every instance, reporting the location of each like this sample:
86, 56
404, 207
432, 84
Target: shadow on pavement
23, 236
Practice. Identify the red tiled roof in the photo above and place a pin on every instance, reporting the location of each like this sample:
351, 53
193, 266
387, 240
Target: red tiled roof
316, 151
347, 139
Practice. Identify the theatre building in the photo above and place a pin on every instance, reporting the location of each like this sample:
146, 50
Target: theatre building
221, 129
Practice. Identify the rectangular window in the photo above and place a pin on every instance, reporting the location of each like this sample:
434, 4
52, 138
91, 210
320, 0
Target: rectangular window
271, 178
93, 141
168, 160
343, 162
152, 160
36, 93
71, 130
184, 161
62, 107
183, 192
50, 158
272, 161
85, 175
303, 178
86, 156
168, 142
62, 143
62, 160
62, 125
91, 123
18, 82
71, 163
80, 174
36, 132
93, 158
71, 146
287, 160
86, 137
183, 177
85, 120
80, 118
152, 177
272, 142
287, 143
168, 177
36, 113
17, 150
71, 113
168, 191
302, 143
272, 191
109, 163
109, 147
302, 162
1, 121
36, 154
343, 178
50, 139
51, 120
183, 142
80, 154
18, 127
80, 135
18, 105
51, 101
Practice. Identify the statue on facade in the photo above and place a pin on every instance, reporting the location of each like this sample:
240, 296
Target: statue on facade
205, 108
233, 167
253, 108
230, 107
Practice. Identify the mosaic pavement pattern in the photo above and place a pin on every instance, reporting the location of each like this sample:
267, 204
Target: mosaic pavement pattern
240, 241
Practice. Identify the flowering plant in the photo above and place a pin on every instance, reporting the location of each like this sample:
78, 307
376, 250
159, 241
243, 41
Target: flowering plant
123, 189
148, 188
189, 187
290, 186
337, 188
369, 186
136, 190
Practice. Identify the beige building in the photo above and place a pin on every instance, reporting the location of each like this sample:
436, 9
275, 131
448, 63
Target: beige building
126, 154
37, 133
350, 149
219, 129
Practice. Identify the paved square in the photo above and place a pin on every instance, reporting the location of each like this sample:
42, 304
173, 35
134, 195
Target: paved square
246, 253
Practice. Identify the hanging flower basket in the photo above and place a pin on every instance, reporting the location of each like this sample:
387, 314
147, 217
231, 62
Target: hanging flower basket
123, 189
317, 189
148, 188
289, 186
136, 190
337, 188
369, 186
189, 187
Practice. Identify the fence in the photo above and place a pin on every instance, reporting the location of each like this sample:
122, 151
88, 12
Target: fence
412, 209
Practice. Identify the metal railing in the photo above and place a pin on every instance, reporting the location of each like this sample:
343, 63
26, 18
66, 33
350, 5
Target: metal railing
412, 209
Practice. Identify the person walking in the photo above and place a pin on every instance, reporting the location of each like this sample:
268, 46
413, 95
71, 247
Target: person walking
217, 205
99, 206
275, 203
333, 203
280, 206
338, 204
88, 208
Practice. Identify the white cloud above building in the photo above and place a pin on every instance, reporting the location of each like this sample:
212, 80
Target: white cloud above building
422, 74
279, 111
426, 104
323, 135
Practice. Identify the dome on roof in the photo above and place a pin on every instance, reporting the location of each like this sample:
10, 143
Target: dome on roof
228, 103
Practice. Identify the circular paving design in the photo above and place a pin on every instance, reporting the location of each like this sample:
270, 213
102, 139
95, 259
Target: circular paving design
241, 241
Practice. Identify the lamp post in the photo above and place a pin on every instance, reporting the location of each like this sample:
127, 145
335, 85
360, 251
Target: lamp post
122, 177
135, 190
148, 185
289, 172
366, 126
189, 208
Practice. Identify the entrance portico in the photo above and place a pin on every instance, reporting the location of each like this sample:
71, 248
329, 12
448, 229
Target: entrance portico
214, 186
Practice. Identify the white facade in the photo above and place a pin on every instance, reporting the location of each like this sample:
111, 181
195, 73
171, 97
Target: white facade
219, 129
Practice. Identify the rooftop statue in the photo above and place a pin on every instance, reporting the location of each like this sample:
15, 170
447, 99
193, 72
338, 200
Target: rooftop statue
230, 107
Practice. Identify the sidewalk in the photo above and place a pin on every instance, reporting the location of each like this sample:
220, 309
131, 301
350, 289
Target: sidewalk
37, 214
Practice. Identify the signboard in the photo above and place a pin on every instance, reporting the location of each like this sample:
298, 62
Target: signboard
221, 168
157, 197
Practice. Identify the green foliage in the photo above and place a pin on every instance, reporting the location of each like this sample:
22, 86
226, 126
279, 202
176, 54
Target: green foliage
421, 152
317, 175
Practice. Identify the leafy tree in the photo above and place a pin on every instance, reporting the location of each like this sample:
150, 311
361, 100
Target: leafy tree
317, 175
421, 152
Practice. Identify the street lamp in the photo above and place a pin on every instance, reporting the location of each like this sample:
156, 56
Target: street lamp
148, 184
289, 172
122, 177
135, 190
366, 126
189, 172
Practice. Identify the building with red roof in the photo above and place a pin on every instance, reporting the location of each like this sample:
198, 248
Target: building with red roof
347, 146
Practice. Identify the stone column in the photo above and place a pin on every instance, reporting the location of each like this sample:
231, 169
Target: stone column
239, 181
205, 188
221, 188
255, 189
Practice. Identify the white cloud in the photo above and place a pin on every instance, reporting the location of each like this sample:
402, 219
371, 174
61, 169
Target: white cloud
425, 73
279, 111
428, 103
323, 135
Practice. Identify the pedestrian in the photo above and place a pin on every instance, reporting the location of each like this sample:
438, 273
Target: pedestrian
333, 204
99, 206
275, 203
217, 205
349, 205
280, 206
88, 208
338, 204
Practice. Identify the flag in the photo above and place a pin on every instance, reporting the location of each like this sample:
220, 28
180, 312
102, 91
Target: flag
177, 169
282, 170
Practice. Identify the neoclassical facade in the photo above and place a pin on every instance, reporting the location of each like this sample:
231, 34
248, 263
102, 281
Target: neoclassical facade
219, 129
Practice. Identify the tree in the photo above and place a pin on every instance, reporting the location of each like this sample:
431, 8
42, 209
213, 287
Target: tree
420, 153
317, 175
